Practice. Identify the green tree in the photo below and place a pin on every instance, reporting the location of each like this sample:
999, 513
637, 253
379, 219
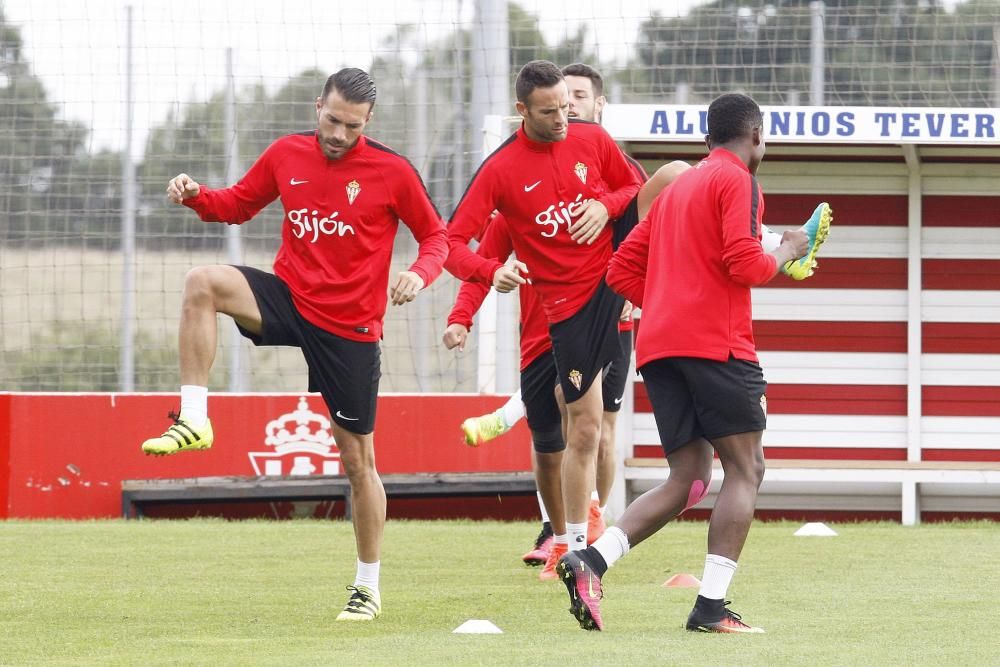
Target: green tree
878, 52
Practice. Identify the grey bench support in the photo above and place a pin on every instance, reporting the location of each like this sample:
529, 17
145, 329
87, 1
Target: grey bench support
137, 493
910, 475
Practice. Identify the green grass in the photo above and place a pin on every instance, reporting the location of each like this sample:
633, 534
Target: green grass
209, 591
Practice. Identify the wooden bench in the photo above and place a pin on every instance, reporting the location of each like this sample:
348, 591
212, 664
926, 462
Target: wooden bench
908, 474
139, 493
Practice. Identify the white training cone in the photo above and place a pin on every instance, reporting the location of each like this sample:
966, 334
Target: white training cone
477, 626
815, 530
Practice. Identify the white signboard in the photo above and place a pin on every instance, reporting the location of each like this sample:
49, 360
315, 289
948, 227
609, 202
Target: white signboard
814, 125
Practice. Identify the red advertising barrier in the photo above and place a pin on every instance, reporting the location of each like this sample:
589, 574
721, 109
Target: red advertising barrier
65, 455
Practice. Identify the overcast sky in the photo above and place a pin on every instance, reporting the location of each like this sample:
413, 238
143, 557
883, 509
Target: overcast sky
77, 47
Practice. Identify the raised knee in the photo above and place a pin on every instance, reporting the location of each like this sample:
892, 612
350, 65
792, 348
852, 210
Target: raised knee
198, 283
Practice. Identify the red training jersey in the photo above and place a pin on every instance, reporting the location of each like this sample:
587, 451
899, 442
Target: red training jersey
496, 244
340, 221
540, 188
691, 262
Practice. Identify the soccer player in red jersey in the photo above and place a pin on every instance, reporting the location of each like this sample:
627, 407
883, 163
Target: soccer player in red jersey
343, 196
690, 265
557, 183
585, 86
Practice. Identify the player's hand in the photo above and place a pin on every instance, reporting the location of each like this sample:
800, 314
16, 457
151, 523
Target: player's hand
626, 311
455, 336
182, 187
590, 222
798, 242
508, 276
406, 287
794, 244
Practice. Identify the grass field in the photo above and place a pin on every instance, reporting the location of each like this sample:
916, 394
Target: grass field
209, 591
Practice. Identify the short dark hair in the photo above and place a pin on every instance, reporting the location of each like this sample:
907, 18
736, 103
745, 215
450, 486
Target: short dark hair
732, 116
583, 69
354, 85
536, 74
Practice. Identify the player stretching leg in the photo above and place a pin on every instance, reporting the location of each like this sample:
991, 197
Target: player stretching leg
557, 183
696, 353
343, 197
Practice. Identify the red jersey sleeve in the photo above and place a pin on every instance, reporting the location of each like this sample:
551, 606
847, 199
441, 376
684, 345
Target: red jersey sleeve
627, 268
742, 210
414, 208
238, 203
620, 176
476, 205
496, 244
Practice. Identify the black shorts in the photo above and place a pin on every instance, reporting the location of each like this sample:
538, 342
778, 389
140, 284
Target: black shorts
346, 372
625, 224
587, 342
702, 398
616, 374
538, 392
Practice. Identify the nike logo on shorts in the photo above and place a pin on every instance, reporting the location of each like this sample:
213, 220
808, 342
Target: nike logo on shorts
618, 400
295, 182
343, 416
529, 188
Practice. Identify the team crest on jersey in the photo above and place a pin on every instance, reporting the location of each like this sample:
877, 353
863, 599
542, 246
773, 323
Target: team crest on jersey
576, 377
581, 172
763, 404
353, 190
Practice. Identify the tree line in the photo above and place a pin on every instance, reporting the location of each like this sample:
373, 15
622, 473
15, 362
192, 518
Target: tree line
877, 52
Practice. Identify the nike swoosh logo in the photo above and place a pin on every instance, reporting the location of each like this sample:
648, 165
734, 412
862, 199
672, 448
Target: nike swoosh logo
343, 416
294, 182
529, 188
590, 587
618, 401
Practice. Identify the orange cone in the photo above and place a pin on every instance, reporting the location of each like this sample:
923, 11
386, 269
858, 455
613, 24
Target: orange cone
682, 581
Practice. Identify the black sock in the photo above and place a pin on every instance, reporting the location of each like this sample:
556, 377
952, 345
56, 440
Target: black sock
596, 561
708, 604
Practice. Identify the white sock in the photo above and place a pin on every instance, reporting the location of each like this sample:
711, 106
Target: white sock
541, 507
612, 545
595, 496
719, 571
194, 404
576, 533
560, 539
769, 240
368, 575
512, 411
604, 510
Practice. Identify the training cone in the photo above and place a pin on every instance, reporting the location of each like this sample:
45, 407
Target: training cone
682, 581
815, 530
476, 626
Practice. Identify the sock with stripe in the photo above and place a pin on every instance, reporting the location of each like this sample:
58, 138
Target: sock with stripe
612, 545
576, 533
